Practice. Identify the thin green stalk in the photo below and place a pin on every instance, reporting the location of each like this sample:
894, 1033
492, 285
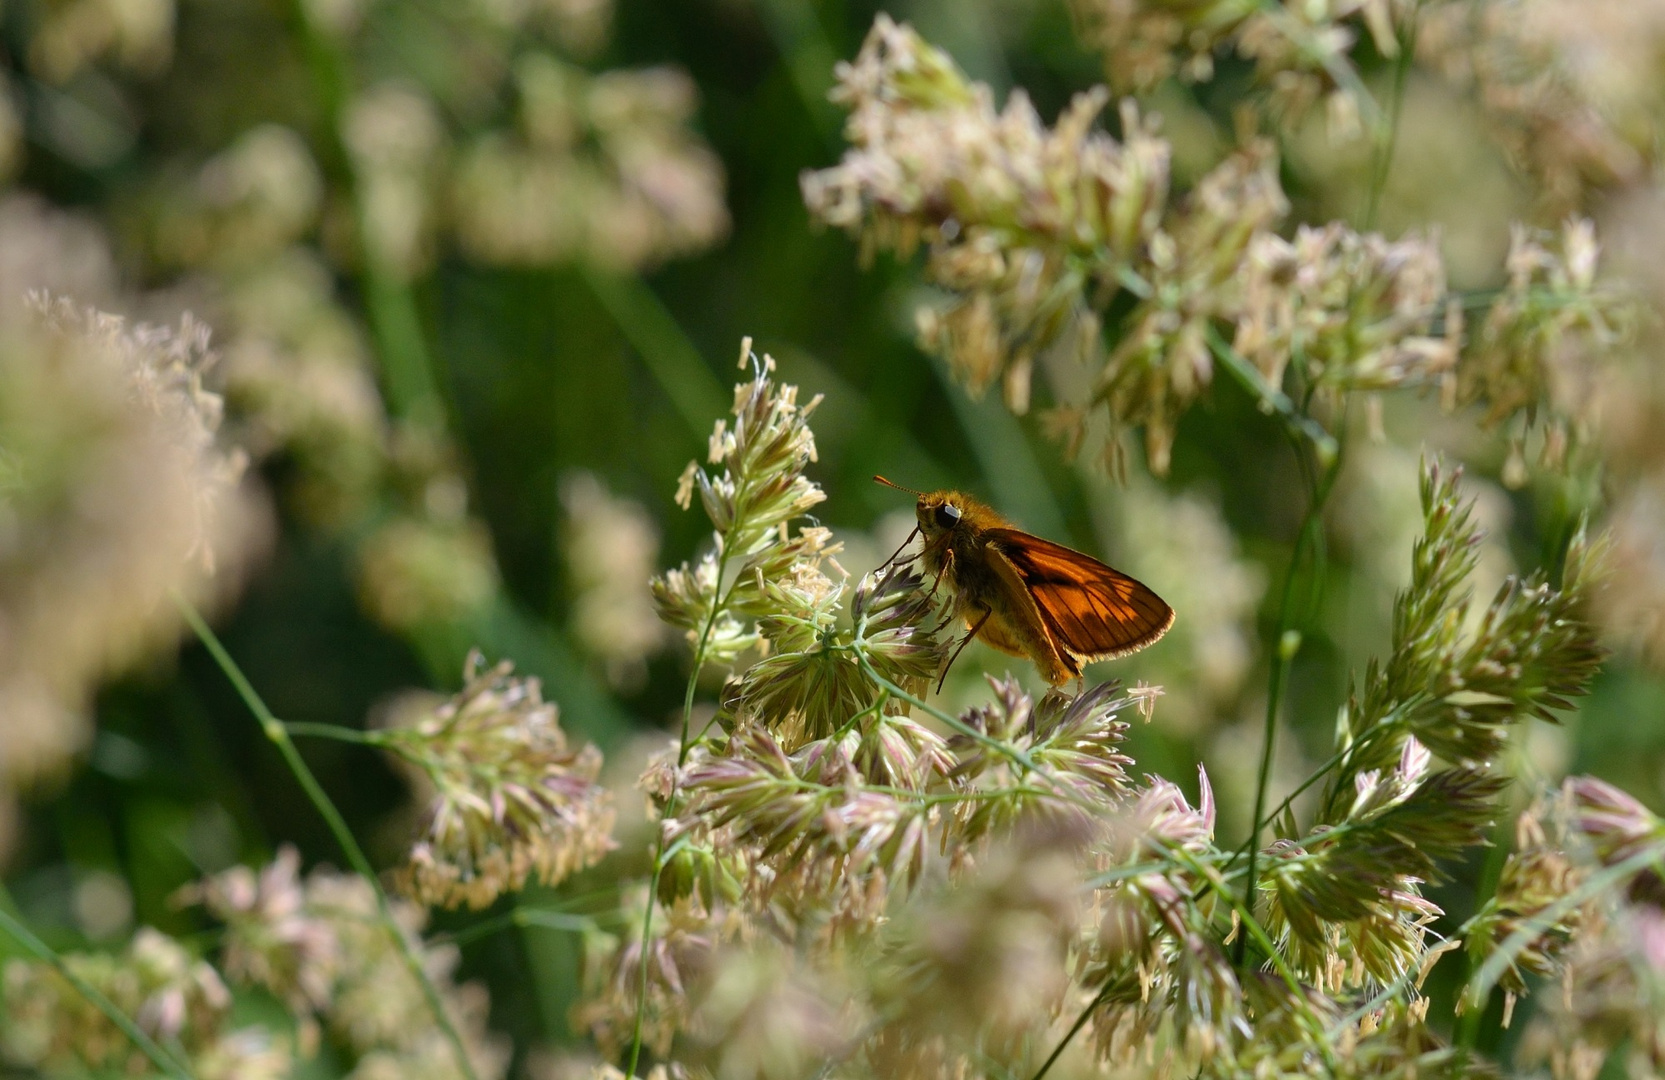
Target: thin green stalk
1388, 141
521, 917
279, 736
546, 915
952, 721
1500, 961
338, 733
1069, 1036
1123, 873
718, 603
1272, 815
412, 391
1467, 1029
1338, 70
1252, 928
158, 1056
1272, 398
1287, 642
849, 725
809, 58
381, 740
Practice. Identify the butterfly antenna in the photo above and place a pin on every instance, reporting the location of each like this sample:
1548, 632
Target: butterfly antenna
898, 487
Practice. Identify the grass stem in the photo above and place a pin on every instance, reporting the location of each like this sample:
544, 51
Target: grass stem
1069, 1036
1387, 139
1286, 639
278, 734
39, 949
718, 603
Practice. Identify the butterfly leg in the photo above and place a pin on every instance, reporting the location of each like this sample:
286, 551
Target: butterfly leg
950, 615
898, 552
947, 564
953, 611
963, 643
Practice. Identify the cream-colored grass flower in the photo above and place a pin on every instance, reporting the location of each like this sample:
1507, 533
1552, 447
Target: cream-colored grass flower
611, 546
1571, 88
635, 185
415, 571
510, 800
320, 946
72, 36
114, 494
175, 998
1301, 52
1535, 358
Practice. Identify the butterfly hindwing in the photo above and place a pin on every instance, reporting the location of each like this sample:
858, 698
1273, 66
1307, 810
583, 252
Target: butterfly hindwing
1092, 610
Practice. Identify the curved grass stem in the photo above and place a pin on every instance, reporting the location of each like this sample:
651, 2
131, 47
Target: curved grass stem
1272, 399
1286, 640
1506, 954
951, 720
337, 733
279, 736
1387, 139
1253, 928
1069, 1036
161, 1058
1262, 821
718, 603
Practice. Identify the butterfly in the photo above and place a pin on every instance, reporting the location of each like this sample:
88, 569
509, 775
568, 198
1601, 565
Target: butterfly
1027, 596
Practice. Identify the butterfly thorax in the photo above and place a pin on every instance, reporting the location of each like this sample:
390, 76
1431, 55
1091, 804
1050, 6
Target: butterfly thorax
955, 550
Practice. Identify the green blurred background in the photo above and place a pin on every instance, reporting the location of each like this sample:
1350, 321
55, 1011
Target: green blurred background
573, 366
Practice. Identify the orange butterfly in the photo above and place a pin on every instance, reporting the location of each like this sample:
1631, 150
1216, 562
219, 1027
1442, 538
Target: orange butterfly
1030, 597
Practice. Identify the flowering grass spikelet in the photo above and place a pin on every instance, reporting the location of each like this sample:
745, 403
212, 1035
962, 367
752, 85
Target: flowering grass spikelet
1301, 52
115, 490
316, 943
511, 801
679, 953
1272, 240
1454, 689
174, 997
829, 805
751, 505
1569, 87
1358, 309
1066, 244
1532, 358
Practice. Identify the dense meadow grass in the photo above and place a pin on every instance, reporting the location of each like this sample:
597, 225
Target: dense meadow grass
448, 628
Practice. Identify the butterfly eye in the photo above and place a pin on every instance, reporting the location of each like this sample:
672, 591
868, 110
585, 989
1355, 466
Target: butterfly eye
948, 516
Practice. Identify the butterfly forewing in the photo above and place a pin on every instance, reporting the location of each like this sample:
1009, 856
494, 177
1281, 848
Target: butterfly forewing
1092, 610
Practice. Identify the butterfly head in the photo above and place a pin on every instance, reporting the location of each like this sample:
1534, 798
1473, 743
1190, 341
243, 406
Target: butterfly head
940, 512
945, 513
